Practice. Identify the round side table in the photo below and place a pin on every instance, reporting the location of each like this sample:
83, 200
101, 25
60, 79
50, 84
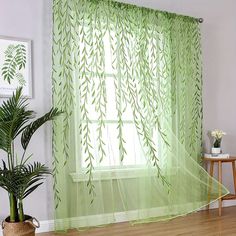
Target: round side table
219, 161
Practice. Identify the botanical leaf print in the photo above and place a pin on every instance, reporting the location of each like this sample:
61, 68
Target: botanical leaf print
15, 60
20, 79
20, 56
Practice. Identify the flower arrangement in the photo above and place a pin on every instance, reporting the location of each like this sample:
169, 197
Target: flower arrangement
217, 135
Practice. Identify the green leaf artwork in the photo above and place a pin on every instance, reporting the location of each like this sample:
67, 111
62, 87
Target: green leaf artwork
20, 79
14, 63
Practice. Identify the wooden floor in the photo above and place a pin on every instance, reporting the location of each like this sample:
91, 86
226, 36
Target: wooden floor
197, 224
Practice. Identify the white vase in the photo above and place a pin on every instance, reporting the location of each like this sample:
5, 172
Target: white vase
215, 150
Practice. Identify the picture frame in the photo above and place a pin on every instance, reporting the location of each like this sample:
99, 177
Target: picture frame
15, 66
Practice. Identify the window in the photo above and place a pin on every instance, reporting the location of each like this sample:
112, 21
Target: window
134, 154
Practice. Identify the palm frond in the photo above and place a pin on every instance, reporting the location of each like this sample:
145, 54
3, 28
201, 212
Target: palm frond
8, 179
23, 179
32, 177
31, 189
13, 117
15, 60
33, 126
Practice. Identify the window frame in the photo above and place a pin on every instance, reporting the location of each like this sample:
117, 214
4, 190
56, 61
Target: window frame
80, 170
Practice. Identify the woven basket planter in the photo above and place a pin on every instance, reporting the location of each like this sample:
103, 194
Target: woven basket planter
26, 228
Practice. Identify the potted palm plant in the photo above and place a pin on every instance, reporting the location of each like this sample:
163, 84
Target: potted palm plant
17, 176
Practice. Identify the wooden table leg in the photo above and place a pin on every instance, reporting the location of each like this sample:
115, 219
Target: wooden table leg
210, 183
234, 176
220, 180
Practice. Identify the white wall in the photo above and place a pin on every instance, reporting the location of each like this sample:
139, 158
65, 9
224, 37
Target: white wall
29, 19
32, 19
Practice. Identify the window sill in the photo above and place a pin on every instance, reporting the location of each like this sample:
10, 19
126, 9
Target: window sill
114, 174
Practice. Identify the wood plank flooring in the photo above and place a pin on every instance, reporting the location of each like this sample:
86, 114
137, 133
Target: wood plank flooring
203, 223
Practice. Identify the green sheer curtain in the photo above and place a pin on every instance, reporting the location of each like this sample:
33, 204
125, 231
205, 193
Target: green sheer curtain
128, 145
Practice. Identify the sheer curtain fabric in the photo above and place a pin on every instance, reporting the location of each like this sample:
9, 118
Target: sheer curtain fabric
128, 145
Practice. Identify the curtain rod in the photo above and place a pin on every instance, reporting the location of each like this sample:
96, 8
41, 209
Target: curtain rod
200, 20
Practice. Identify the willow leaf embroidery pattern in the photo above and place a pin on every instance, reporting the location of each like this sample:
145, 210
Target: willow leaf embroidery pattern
129, 82
152, 73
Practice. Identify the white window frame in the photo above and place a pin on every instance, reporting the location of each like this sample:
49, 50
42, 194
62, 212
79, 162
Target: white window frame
117, 171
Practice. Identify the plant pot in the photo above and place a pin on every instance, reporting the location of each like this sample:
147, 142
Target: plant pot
26, 228
216, 150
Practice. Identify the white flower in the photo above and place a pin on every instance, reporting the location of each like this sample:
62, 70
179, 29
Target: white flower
217, 134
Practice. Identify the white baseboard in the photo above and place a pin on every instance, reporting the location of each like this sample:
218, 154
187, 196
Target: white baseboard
45, 226
48, 225
227, 203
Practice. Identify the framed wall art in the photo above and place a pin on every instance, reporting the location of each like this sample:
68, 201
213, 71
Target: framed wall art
15, 66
